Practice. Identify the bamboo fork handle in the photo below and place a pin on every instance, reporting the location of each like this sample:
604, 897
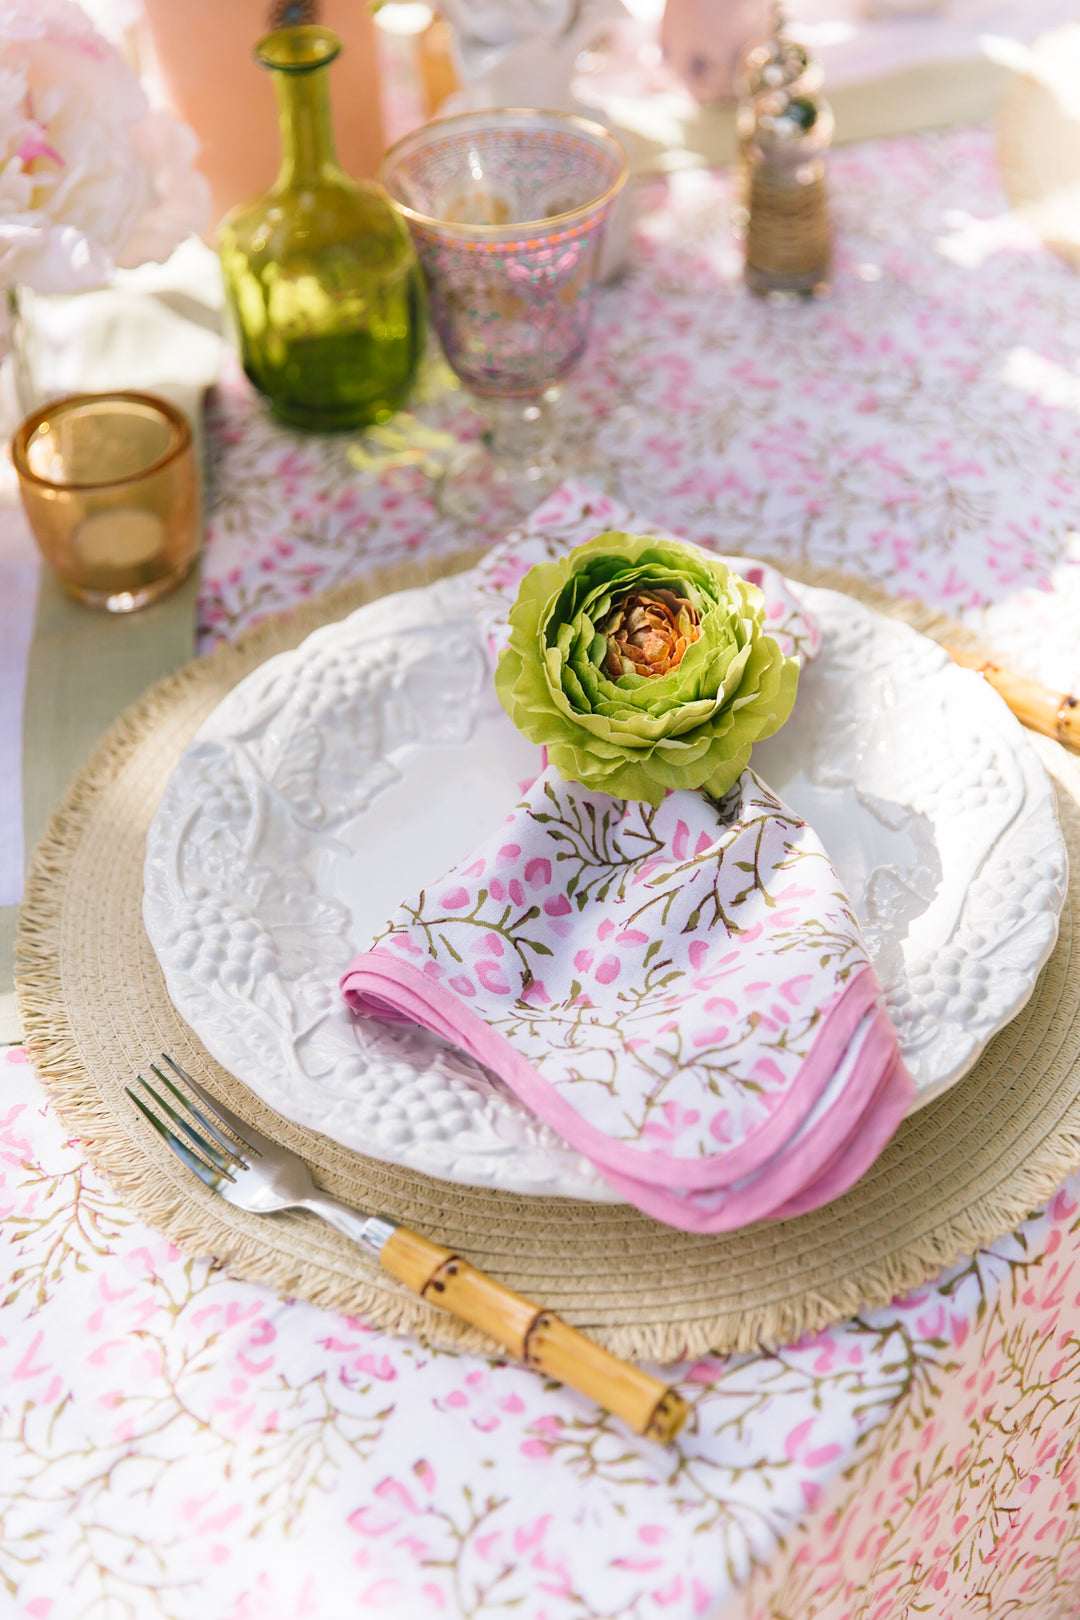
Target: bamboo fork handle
535, 1336
1055, 714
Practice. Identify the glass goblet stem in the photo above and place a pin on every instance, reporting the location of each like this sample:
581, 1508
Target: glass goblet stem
496, 482
520, 430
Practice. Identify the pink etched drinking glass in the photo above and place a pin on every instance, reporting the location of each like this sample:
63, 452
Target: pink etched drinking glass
507, 209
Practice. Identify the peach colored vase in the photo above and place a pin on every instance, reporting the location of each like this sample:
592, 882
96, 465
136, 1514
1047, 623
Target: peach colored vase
203, 53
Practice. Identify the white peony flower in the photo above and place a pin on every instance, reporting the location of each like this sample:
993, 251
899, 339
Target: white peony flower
90, 177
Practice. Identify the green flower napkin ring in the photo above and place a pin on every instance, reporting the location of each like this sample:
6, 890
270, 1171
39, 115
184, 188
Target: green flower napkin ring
643, 665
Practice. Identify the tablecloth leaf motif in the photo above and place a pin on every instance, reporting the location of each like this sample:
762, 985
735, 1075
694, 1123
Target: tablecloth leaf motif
972, 1499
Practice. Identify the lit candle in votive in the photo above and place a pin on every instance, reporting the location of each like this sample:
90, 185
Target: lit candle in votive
128, 538
111, 489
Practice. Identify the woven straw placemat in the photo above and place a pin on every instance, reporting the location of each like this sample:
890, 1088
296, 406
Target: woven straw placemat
959, 1173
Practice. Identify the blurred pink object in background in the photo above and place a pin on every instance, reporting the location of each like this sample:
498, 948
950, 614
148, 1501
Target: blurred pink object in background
704, 40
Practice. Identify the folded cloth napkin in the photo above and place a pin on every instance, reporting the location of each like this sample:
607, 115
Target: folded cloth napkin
681, 991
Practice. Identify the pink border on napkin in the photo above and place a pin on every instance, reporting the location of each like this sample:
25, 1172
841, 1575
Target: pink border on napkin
378, 984
819, 1165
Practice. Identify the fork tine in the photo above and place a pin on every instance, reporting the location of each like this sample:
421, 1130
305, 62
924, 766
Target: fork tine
250, 1137
218, 1160
205, 1172
186, 1102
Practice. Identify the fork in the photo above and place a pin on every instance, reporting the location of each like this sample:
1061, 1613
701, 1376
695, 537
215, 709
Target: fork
251, 1172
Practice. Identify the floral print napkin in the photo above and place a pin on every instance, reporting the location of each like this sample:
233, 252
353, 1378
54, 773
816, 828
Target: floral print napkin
681, 990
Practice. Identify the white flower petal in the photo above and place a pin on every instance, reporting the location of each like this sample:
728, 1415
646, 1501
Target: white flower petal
90, 176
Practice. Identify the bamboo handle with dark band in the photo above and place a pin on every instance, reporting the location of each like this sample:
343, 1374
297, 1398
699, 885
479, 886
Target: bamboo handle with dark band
535, 1336
1055, 714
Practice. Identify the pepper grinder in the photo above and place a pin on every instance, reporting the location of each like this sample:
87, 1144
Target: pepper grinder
784, 129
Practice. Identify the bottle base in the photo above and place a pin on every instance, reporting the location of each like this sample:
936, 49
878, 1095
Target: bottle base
310, 420
813, 283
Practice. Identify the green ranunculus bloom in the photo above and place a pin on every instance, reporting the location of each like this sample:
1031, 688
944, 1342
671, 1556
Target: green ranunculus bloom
643, 665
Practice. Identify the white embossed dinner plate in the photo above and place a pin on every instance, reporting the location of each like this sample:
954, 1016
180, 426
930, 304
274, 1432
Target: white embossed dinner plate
343, 775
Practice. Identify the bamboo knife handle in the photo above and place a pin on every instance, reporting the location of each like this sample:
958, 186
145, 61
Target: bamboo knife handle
1055, 714
537, 1337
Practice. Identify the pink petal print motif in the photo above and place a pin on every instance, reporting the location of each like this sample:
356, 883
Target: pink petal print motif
714, 1035
608, 970
491, 978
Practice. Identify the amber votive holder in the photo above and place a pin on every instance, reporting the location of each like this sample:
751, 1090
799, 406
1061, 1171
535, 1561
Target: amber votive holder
110, 486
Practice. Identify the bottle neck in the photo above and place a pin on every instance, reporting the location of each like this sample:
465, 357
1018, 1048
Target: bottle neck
307, 137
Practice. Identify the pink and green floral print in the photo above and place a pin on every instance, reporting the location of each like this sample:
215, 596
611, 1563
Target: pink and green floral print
680, 990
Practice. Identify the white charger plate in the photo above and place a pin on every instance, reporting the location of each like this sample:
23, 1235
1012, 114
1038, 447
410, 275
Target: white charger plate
342, 776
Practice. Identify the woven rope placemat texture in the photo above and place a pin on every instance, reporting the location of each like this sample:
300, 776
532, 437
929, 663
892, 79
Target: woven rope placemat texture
962, 1171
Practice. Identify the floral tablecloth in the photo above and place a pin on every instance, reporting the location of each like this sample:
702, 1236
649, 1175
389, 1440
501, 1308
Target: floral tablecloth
173, 1443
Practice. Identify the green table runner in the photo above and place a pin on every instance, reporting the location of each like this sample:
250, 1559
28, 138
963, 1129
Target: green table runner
84, 670
158, 329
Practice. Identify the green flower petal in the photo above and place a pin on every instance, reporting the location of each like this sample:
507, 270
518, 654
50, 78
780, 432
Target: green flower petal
636, 736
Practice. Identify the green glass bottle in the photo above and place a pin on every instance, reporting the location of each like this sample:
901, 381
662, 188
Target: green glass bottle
320, 274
